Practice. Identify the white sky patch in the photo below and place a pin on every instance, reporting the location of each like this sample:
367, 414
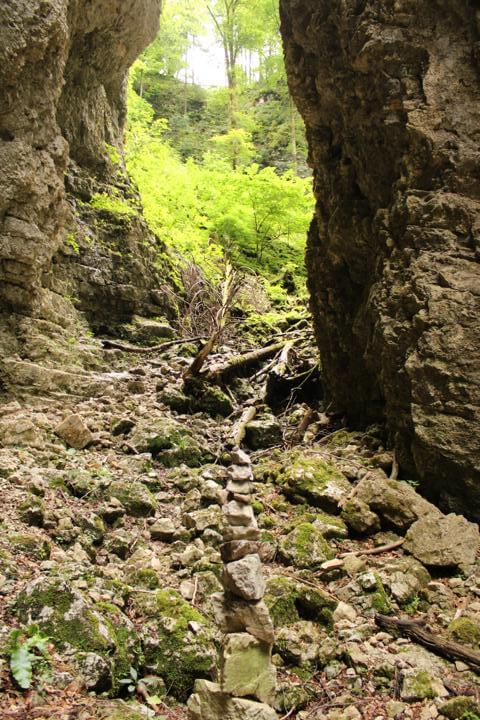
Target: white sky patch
206, 65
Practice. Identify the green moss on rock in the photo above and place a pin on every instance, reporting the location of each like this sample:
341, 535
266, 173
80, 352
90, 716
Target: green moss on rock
136, 498
290, 601
305, 547
31, 545
172, 650
311, 478
72, 622
465, 630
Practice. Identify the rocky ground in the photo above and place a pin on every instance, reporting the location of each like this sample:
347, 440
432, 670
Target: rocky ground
109, 548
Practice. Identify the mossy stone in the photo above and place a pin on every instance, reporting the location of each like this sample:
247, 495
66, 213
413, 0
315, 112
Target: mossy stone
379, 598
457, 707
71, 621
465, 630
313, 479
135, 497
304, 547
171, 444
32, 545
289, 602
172, 650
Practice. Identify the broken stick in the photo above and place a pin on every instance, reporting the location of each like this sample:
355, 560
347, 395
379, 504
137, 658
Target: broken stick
413, 629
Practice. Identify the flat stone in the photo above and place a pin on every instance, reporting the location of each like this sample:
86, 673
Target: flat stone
244, 578
240, 473
163, 529
209, 702
239, 488
246, 668
445, 541
240, 533
237, 549
233, 616
239, 514
74, 431
240, 457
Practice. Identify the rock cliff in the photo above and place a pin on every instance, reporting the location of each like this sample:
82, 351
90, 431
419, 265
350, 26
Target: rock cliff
63, 66
389, 90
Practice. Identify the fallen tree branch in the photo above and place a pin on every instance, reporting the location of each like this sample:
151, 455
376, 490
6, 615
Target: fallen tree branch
239, 364
413, 629
377, 550
114, 345
239, 429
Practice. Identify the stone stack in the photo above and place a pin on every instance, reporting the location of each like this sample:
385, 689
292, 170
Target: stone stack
247, 678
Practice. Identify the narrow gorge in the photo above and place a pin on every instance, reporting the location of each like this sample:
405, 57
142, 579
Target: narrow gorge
234, 486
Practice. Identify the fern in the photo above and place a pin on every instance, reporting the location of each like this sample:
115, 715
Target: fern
22, 657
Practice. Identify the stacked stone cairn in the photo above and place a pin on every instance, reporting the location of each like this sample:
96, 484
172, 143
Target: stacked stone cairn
247, 678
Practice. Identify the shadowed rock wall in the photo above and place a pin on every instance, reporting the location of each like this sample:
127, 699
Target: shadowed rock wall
63, 66
389, 90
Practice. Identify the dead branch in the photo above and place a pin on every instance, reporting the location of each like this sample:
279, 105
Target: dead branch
376, 551
239, 428
413, 629
230, 288
114, 345
241, 363
308, 418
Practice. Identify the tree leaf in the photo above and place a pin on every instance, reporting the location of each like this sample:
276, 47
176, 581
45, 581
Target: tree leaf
21, 666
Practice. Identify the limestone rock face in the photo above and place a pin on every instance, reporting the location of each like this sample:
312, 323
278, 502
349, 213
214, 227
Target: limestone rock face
390, 95
63, 66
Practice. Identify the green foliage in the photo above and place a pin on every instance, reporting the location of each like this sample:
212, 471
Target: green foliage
22, 654
113, 154
71, 242
203, 209
112, 204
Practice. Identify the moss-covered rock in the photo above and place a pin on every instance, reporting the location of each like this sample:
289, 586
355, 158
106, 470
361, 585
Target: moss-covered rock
359, 517
135, 497
32, 511
465, 630
204, 397
71, 621
148, 331
457, 707
172, 649
32, 545
312, 479
379, 598
289, 601
171, 443
304, 547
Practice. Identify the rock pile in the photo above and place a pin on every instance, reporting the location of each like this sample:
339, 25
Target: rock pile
247, 678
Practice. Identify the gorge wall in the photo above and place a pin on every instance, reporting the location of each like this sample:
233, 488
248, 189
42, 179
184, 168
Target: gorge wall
63, 66
389, 90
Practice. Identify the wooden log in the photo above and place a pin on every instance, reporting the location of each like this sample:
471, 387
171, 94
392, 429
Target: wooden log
413, 629
239, 429
237, 365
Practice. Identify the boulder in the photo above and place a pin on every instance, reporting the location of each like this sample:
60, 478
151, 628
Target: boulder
209, 702
443, 541
74, 431
244, 578
311, 478
264, 432
304, 547
163, 529
396, 502
135, 497
246, 668
200, 520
